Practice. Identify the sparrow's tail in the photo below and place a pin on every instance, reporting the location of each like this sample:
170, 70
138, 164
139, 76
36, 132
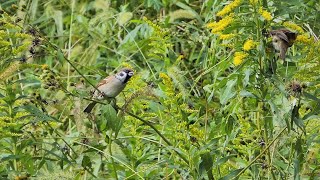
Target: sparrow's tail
89, 108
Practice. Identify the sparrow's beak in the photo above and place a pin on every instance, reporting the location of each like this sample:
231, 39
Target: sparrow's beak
131, 73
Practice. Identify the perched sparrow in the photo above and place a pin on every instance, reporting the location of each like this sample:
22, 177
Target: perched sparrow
282, 39
110, 86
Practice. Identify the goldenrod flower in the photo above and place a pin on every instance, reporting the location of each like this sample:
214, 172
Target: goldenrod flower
196, 131
293, 26
44, 66
253, 2
126, 65
248, 45
238, 58
228, 8
5, 43
228, 45
226, 36
166, 80
265, 14
221, 25
180, 57
10, 70
303, 39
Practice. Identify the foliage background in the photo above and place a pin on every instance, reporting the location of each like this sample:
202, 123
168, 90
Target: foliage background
209, 98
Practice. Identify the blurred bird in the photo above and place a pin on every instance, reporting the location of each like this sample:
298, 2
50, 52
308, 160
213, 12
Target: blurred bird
110, 86
282, 39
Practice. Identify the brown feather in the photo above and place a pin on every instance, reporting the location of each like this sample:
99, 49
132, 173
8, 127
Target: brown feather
283, 50
104, 81
286, 40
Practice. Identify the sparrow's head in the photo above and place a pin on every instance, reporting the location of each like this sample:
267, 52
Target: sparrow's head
124, 75
276, 40
283, 35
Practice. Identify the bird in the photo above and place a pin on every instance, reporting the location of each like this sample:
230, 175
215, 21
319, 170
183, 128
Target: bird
282, 39
110, 87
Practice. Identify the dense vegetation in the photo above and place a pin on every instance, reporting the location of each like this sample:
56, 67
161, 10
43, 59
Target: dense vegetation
210, 99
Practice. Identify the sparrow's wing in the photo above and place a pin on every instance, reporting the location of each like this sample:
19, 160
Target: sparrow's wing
292, 37
104, 81
282, 36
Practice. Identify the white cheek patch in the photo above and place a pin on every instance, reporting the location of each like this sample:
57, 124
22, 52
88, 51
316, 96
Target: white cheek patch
121, 78
276, 46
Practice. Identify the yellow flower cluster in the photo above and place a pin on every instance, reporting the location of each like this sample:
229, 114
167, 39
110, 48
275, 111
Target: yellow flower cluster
293, 26
248, 45
166, 80
229, 8
44, 66
221, 25
4, 43
228, 45
23, 35
10, 70
226, 36
253, 2
2, 33
196, 131
238, 58
21, 48
265, 14
160, 41
187, 109
303, 39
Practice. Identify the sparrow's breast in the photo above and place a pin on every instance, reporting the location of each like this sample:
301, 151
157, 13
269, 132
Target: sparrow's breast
110, 89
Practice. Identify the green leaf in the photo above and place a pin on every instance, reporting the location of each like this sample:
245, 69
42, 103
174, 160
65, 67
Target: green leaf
231, 175
206, 163
86, 161
124, 17
113, 121
156, 4
39, 115
186, 7
227, 93
299, 159
296, 119
224, 159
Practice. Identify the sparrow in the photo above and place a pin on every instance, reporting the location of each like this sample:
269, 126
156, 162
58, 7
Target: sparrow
282, 39
110, 87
